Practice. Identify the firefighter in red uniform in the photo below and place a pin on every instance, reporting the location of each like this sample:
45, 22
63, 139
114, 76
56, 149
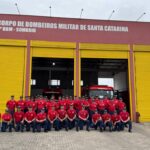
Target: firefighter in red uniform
11, 104
97, 121
84, 101
71, 113
27, 103
41, 121
116, 120
50, 104
121, 105
40, 103
106, 101
29, 119
92, 108
125, 120
52, 117
107, 120
111, 107
6, 121
116, 101
101, 106
71, 102
63, 103
83, 116
21, 104
62, 117
77, 104
18, 119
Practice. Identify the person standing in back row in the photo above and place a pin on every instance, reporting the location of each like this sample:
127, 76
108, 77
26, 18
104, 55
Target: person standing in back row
11, 104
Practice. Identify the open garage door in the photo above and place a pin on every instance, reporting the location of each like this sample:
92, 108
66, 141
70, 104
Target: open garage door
52, 76
94, 70
142, 75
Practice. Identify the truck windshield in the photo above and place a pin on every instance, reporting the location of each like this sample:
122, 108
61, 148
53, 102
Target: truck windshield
101, 93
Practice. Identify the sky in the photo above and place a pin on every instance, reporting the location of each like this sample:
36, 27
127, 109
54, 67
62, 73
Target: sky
128, 10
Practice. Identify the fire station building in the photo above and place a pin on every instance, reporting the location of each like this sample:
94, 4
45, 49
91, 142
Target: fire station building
35, 50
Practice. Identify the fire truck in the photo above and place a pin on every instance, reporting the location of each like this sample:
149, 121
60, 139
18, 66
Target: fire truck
98, 90
56, 92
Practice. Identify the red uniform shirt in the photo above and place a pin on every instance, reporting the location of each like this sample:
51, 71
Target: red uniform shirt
101, 105
106, 101
21, 104
18, 116
63, 103
121, 105
115, 118
96, 117
11, 104
85, 103
62, 114
78, 104
71, 102
6, 117
83, 114
93, 106
106, 117
41, 104
52, 115
116, 101
71, 113
111, 106
30, 115
51, 104
41, 116
31, 104
124, 116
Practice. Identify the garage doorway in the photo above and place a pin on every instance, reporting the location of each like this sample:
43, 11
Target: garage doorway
52, 75
94, 70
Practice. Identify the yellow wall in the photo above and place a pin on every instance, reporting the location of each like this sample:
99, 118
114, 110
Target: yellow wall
12, 61
116, 51
142, 77
52, 49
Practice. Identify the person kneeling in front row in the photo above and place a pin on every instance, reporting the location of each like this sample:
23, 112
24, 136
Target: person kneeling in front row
107, 120
97, 121
83, 116
52, 119
62, 117
41, 121
6, 121
29, 120
18, 120
125, 120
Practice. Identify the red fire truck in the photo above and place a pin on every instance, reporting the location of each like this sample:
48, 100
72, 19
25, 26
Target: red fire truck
56, 92
98, 90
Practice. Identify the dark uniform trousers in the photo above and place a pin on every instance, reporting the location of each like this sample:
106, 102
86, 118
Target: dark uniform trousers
81, 123
29, 125
40, 125
108, 124
129, 123
63, 124
54, 125
99, 125
5, 125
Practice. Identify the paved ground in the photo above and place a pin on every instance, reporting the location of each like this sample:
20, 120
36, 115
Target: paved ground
139, 139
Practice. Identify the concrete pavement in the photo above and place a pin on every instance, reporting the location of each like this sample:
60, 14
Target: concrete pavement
139, 139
